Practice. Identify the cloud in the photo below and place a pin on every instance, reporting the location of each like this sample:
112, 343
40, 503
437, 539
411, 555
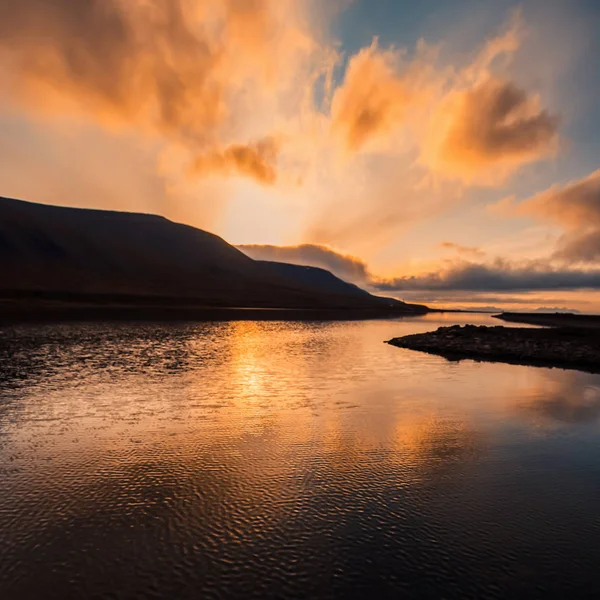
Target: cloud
485, 132
345, 266
257, 89
374, 96
140, 63
415, 132
462, 275
472, 251
496, 276
253, 160
486, 126
172, 68
482, 125
576, 207
580, 248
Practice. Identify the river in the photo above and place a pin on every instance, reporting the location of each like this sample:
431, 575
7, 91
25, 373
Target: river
257, 459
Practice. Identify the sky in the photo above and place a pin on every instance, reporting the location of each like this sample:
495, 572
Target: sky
438, 152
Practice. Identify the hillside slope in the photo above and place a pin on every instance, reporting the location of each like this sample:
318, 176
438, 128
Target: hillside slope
318, 279
93, 255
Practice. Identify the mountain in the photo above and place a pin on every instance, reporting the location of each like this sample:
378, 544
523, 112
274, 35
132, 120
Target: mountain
320, 280
88, 256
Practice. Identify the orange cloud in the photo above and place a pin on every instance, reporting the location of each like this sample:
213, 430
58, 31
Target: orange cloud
483, 133
580, 248
373, 98
471, 123
252, 160
463, 250
576, 207
208, 78
573, 205
174, 69
345, 266
140, 63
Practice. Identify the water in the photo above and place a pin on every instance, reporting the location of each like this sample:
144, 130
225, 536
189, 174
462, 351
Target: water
301, 460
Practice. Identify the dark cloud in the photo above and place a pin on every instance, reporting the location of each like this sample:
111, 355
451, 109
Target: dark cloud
497, 276
349, 268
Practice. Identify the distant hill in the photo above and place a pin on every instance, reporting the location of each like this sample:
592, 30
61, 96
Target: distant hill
89, 256
318, 279
315, 278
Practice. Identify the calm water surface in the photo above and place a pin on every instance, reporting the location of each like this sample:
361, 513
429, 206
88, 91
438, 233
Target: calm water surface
301, 460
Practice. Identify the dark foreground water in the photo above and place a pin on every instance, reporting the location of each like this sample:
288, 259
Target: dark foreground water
289, 460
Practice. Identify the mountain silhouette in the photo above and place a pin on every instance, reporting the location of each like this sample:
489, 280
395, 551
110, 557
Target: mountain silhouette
317, 279
80, 256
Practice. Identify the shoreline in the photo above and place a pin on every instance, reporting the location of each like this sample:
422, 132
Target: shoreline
54, 307
24, 313
563, 348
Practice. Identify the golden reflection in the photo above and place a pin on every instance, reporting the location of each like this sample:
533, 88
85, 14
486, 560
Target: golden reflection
249, 370
273, 405
432, 443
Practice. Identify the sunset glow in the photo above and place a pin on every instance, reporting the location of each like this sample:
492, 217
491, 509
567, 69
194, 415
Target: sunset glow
447, 155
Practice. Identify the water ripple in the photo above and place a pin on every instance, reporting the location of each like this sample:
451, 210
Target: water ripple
289, 460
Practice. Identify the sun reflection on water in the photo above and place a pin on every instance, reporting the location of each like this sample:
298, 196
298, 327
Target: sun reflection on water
229, 436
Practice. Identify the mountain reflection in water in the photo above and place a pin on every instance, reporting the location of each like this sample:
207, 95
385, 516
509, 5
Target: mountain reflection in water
288, 459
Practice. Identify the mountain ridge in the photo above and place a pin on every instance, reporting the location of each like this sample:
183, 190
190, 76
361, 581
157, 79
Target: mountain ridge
80, 255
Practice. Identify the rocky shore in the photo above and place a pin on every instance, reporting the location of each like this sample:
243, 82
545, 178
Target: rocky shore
555, 347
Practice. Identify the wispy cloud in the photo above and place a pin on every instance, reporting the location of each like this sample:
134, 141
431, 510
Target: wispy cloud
377, 92
483, 133
345, 266
471, 251
575, 206
487, 126
366, 144
171, 68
